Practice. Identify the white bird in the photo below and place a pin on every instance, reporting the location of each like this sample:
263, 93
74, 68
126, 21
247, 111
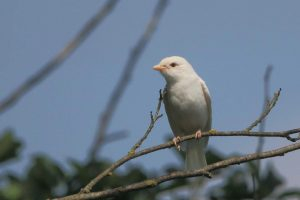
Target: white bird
188, 107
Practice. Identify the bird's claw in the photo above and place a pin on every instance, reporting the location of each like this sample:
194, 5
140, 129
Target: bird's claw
176, 140
198, 134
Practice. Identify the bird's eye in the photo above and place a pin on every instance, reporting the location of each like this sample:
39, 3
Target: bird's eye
173, 64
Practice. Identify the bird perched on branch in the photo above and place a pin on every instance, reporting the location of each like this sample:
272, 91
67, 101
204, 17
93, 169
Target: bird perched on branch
188, 107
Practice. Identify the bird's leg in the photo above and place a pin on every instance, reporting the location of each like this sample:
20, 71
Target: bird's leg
176, 140
198, 134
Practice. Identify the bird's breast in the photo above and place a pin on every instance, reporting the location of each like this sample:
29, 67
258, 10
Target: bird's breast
187, 107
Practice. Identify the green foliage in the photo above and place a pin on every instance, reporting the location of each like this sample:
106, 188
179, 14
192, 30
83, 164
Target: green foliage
239, 185
42, 178
9, 146
45, 178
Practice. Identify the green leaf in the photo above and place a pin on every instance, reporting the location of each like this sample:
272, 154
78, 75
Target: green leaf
9, 146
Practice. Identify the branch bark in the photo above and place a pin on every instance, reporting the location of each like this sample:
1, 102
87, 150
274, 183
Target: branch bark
55, 62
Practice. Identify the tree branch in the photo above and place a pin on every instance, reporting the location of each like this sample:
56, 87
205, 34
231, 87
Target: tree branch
206, 171
153, 120
262, 125
131, 154
130, 65
55, 62
283, 134
267, 110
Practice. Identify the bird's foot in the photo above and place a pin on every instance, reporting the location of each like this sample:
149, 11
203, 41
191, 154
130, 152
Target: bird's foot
176, 140
198, 134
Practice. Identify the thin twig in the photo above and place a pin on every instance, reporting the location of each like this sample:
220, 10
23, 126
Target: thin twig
55, 62
130, 65
269, 107
152, 122
261, 140
131, 153
206, 171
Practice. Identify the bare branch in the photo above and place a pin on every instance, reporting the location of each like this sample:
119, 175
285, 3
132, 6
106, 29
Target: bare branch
261, 140
55, 62
267, 110
153, 120
206, 171
131, 153
283, 134
119, 89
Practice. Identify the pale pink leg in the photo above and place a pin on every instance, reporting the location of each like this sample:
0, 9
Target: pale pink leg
176, 140
198, 134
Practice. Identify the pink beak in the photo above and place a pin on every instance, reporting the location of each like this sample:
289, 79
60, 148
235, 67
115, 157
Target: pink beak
159, 68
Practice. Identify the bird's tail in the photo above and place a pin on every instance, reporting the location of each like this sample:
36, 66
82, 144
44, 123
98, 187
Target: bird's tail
195, 154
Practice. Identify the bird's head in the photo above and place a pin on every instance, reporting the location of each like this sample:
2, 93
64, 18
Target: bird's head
175, 69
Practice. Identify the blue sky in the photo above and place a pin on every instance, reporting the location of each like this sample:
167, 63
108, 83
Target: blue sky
229, 43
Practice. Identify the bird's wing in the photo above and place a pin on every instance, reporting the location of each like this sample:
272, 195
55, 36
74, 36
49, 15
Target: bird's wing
175, 129
208, 104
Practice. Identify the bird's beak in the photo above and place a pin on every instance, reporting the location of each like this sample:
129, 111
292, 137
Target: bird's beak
159, 68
